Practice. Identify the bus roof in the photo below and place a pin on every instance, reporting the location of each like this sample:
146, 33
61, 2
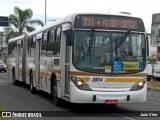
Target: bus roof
70, 18
16, 38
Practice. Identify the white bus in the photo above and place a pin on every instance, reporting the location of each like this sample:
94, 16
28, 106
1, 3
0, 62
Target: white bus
84, 58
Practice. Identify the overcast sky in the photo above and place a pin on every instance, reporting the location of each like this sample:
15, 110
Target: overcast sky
60, 8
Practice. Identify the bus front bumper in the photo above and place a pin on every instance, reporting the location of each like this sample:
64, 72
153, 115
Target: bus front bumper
82, 96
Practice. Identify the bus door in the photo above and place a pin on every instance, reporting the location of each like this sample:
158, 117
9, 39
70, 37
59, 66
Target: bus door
65, 62
37, 62
17, 59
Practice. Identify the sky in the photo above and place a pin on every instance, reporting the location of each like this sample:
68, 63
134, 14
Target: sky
56, 9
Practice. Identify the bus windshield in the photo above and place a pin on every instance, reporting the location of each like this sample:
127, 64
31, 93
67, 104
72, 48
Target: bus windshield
109, 52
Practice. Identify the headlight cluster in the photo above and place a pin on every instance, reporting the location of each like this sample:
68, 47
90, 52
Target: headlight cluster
80, 84
139, 85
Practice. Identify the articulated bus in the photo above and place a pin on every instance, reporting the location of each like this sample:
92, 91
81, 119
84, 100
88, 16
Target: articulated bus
84, 58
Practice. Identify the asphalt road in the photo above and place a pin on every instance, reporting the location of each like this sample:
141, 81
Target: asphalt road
19, 98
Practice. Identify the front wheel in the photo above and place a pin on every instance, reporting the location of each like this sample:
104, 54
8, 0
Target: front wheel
32, 88
57, 101
14, 81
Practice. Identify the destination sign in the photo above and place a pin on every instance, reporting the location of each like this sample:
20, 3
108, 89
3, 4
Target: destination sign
109, 22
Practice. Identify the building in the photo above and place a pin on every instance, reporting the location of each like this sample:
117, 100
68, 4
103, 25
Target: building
155, 33
3, 44
152, 49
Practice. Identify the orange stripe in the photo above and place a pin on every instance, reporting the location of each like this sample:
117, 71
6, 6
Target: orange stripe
85, 79
122, 79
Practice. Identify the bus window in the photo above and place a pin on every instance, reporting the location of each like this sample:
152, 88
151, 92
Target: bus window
52, 35
14, 49
50, 44
57, 42
44, 43
45, 36
43, 50
33, 46
10, 50
58, 33
28, 47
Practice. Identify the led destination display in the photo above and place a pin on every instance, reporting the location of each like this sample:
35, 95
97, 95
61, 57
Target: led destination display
109, 22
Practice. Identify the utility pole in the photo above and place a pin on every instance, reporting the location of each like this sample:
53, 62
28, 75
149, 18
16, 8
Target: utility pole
45, 12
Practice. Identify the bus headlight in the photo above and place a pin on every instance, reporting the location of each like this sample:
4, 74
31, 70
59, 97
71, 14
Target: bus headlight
80, 84
139, 85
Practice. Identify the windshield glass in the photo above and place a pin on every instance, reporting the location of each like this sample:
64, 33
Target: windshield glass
109, 52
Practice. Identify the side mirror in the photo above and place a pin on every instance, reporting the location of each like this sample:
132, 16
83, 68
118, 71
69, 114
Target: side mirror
69, 40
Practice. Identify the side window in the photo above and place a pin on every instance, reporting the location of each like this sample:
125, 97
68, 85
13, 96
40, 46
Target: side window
58, 33
28, 46
50, 42
14, 49
44, 43
31, 46
10, 49
51, 35
22, 43
57, 42
21, 48
45, 36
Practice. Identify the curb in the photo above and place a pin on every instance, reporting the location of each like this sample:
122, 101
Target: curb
153, 89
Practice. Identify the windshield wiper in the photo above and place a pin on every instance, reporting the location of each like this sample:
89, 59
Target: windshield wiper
90, 43
121, 41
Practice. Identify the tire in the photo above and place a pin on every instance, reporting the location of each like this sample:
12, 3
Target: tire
149, 77
57, 101
32, 88
14, 81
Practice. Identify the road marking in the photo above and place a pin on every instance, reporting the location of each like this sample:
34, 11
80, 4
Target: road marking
4, 83
153, 102
128, 118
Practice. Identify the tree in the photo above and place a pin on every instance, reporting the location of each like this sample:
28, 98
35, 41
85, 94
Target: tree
152, 60
21, 21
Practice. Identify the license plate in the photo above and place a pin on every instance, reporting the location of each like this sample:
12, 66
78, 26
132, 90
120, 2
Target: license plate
111, 101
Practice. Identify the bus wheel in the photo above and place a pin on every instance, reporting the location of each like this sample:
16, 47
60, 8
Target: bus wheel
15, 82
32, 88
57, 101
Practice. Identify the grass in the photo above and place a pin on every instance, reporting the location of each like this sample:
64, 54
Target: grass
3, 118
153, 84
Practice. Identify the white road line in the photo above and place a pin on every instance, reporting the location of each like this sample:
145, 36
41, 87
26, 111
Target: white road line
123, 116
153, 102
